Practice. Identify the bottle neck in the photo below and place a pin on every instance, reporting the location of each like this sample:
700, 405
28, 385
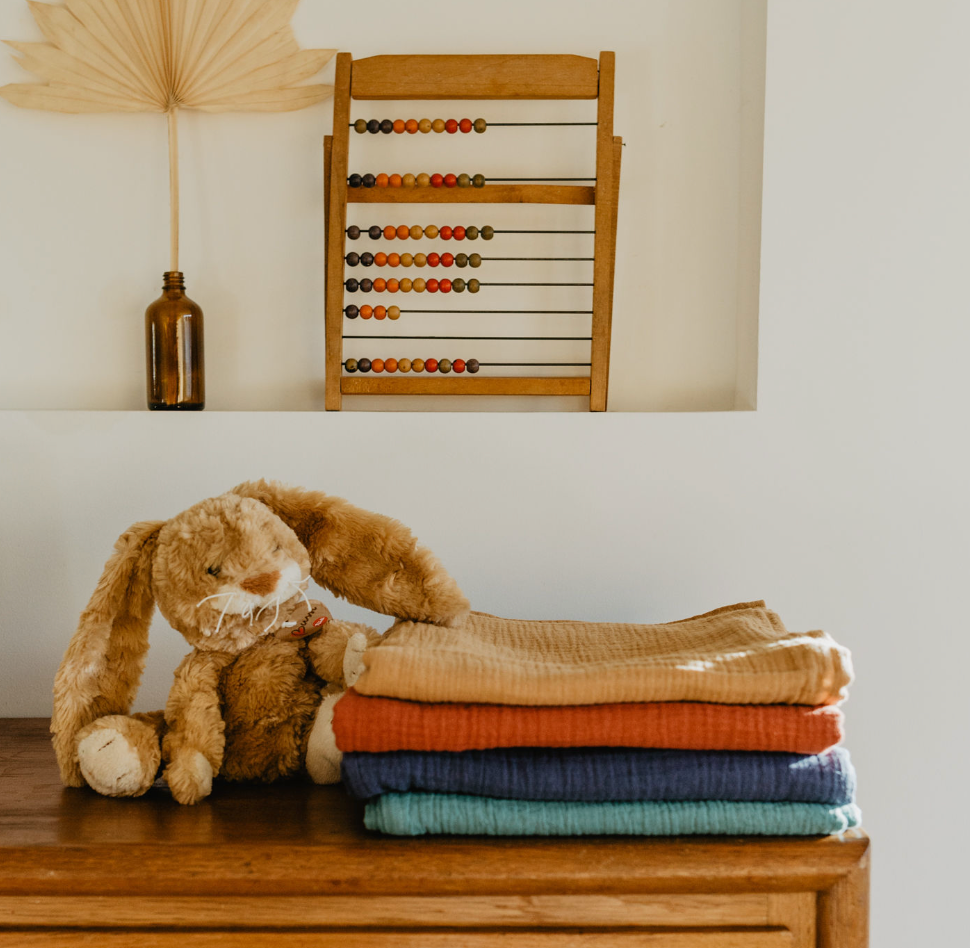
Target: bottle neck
173, 280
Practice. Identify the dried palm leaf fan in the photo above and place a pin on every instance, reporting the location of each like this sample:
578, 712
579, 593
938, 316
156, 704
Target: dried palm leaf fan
162, 56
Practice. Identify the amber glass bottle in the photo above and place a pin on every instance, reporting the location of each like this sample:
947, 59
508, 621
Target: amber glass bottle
174, 349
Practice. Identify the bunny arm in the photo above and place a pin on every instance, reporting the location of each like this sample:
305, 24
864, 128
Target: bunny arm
367, 558
194, 742
327, 650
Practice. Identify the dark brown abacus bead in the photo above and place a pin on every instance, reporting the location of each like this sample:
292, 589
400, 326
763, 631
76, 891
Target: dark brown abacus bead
473, 286
471, 232
360, 126
353, 259
373, 126
351, 285
353, 232
444, 366
479, 181
458, 285
475, 260
351, 365
366, 285
368, 180
387, 126
472, 366
480, 125
367, 259
351, 312
462, 259
464, 181
364, 365
488, 232
375, 232
355, 181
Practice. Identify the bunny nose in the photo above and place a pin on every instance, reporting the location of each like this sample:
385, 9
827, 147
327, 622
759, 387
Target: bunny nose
261, 585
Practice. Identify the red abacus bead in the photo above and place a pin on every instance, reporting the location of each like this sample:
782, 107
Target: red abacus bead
447, 259
380, 259
445, 232
380, 285
390, 365
445, 286
390, 232
393, 286
377, 365
451, 180
399, 126
393, 260
379, 312
411, 126
430, 365
381, 181
458, 365
403, 232
432, 286
437, 180
366, 312
459, 233
433, 260
451, 126
395, 180
465, 125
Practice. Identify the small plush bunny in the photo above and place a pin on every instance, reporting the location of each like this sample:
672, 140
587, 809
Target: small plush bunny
254, 698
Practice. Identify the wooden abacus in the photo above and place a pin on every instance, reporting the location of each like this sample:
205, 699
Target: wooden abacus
461, 77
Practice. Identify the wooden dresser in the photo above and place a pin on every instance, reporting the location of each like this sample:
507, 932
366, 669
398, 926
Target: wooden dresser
291, 865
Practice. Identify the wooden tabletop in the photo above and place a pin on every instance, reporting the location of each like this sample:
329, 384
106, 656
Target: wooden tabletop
296, 838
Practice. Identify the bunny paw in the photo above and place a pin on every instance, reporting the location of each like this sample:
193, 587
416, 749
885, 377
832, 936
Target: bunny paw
118, 756
189, 777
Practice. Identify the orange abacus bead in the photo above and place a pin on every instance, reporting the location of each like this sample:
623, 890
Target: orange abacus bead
377, 365
395, 180
379, 312
444, 286
380, 259
411, 126
393, 260
390, 365
447, 259
390, 232
380, 285
393, 286
417, 365
403, 232
430, 365
451, 126
432, 286
451, 180
458, 365
437, 180
465, 125
433, 260
399, 126
445, 233
367, 311
459, 233
381, 180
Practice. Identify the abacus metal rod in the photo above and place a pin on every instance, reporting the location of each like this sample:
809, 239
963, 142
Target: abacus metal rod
535, 363
518, 124
572, 312
545, 232
539, 258
499, 338
540, 179
535, 284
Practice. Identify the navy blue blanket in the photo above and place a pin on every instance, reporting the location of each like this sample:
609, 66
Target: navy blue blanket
606, 774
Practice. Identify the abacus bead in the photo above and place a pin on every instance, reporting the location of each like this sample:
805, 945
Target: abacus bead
423, 180
471, 232
444, 366
377, 365
451, 126
472, 365
407, 260
387, 126
395, 180
458, 365
432, 286
431, 231
447, 260
459, 233
390, 232
393, 260
462, 259
353, 232
479, 181
430, 365
360, 126
351, 312
403, 232
398, 126
451, 180
419, 285
424, 126
380, 285
433, 260
465, 125
473, 286
464, 180
404, 365
382, 180
379, 312
394, 312
437, 180
488, 232
366, 285
420, 260
374, 232
380, 258
367, 259
363, 365
417, 232
417, 365
475, 259
351, 285
480, 125
390, 365
406, 285
458, 285
438, 125
411, 126
367, 311
445, 233
444, 286
393, 286
373, 126
353, 259
355, 181
368, 180
351, 364
409, 180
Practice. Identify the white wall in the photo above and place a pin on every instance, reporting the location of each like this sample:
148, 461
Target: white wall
842, 500
84, 211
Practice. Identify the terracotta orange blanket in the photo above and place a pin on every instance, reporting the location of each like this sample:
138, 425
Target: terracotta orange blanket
739, 654
387, 724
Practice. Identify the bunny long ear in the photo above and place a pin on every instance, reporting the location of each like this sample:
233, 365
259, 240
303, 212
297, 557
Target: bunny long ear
102, 667
370, 560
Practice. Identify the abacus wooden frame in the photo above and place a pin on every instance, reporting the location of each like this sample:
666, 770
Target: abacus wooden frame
473, 77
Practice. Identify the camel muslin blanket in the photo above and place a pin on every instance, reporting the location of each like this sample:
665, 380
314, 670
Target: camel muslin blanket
739, 654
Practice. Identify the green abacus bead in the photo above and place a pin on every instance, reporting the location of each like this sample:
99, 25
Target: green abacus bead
471, 233
351, 364
473, 286
488, 232
360, 126
458, 285
462, 259
479, 181
464, 181
480, 125
475, 260
444, 366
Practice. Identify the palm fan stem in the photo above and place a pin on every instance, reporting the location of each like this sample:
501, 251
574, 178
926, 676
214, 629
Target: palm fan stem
173, 183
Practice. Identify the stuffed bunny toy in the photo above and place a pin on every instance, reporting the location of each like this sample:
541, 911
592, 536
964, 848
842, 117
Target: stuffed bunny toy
254, 698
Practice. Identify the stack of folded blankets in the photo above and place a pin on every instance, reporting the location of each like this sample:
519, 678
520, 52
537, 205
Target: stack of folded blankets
725, 723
